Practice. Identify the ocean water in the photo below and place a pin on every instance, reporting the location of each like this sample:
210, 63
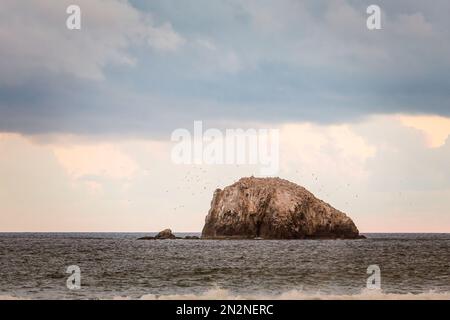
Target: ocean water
117, 266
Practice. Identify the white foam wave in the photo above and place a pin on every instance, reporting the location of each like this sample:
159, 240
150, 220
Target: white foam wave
222, 294
7, 297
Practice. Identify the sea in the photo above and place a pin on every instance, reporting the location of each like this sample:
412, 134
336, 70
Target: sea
118, 266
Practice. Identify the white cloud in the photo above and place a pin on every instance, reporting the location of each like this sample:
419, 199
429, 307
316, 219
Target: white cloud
34, 38
337, 37
435, 128
164, 37
378, 171
103, 160
413, 25
319, 149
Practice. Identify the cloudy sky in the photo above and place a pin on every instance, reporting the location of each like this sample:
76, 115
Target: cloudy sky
86, 115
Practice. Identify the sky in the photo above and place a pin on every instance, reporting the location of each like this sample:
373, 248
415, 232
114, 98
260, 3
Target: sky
86, 115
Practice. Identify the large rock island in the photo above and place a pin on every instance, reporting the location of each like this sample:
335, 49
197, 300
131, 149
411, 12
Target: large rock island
273, 208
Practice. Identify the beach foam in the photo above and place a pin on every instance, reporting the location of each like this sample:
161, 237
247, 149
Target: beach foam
222, 294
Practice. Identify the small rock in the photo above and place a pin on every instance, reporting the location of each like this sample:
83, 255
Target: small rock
147, 238
165, 234
191, 238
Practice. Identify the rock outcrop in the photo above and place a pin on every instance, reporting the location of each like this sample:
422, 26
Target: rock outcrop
273, 208
165, 234
191, 238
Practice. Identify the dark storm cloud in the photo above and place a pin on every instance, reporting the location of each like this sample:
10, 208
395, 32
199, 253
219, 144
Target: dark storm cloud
220, 61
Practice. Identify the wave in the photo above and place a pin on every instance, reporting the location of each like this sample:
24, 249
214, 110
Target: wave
8, 297
223, 294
